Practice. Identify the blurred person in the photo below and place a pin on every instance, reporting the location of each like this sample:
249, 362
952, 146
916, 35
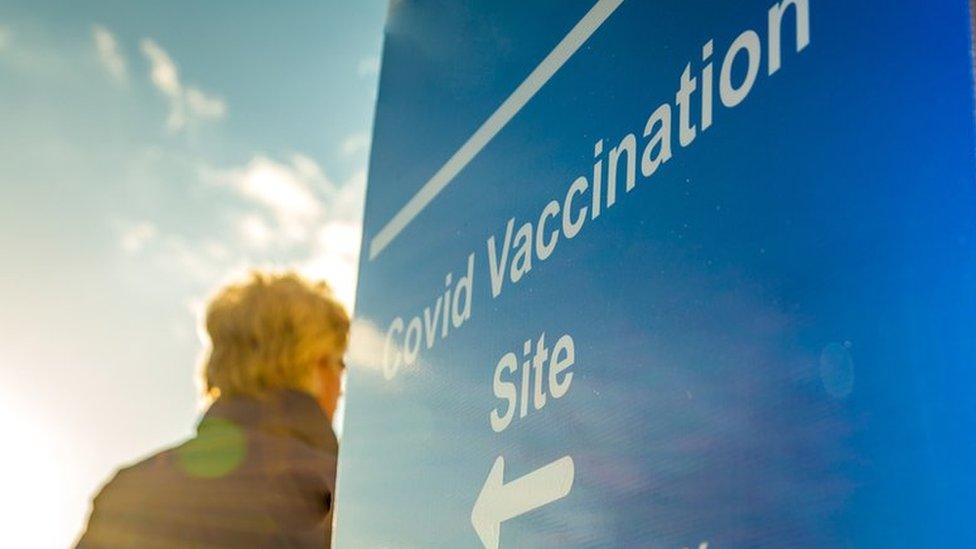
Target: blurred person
261, 469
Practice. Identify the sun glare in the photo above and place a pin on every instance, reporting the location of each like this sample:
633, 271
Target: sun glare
33, 483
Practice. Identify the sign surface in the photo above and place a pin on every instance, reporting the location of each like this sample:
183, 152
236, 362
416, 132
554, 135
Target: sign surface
667, 274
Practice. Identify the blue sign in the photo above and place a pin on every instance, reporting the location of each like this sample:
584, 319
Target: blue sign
688, 274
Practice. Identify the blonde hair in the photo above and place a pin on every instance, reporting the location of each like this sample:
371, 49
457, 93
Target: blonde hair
268, 332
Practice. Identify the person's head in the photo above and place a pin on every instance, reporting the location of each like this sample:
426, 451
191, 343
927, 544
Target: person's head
272, 332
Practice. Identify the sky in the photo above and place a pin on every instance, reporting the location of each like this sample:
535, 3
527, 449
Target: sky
150, 152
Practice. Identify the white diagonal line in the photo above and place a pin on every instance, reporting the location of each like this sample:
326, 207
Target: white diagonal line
522, 94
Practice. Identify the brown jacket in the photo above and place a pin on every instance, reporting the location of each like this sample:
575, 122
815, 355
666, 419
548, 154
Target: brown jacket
259, 473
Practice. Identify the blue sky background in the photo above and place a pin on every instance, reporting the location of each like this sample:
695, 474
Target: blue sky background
149, 152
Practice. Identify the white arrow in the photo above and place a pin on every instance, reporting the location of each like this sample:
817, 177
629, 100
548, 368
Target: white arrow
499, 502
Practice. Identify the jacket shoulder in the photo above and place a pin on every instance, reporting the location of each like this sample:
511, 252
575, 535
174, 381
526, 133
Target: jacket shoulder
119, 507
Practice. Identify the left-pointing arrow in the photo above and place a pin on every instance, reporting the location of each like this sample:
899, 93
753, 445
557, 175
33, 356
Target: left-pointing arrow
499, 502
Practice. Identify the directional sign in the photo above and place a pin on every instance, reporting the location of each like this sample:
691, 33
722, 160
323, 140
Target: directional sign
667, 274
499, 502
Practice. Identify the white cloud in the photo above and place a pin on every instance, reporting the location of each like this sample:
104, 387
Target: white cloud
204, 105
4, 37
366, 345
186, 102
285, 190
335, 259
202, 262
334, 254
287, 214
255, 231
354, 144
309, 169
163, 72
135, 237
303, 216
348, 201
108, 52
368, 66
